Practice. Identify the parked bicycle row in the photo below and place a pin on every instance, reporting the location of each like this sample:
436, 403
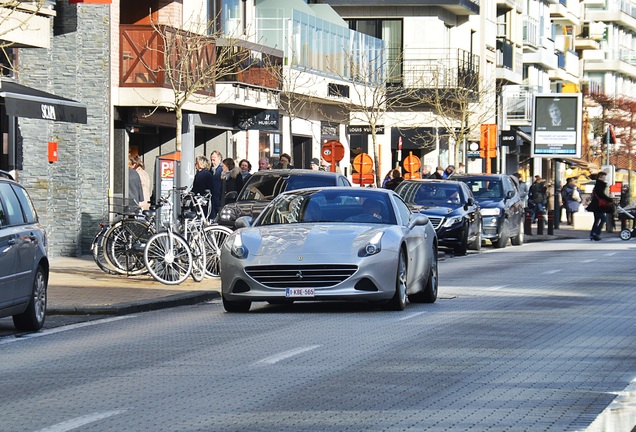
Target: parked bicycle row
168, 245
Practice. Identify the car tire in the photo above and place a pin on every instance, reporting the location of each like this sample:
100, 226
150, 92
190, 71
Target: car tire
429, 293
504, 236
518, 239
236, 306
398, 301
476, 244
463, 247
32, 319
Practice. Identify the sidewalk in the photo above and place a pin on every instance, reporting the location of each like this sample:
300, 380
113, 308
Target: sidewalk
78, 287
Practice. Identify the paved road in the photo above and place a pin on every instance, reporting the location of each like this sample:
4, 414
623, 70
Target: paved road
538, 338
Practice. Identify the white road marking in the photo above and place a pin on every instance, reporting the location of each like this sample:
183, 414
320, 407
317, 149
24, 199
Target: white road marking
610, 254
413, 315
497, 287
285, 355
80, 421
551, 271
588, 261
64, 328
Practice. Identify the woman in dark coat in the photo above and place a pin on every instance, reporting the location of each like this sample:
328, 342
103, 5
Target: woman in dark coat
231, 177
203, 179
600, 211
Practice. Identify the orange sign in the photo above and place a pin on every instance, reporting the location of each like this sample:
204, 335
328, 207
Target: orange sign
363, 179
363, 163
332, 151
414, 175
411, 163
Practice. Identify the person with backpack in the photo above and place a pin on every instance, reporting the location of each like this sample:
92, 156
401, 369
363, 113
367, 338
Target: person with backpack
537, 197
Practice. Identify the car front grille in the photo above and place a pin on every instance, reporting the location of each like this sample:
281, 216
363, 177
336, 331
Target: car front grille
300, 276
436, 221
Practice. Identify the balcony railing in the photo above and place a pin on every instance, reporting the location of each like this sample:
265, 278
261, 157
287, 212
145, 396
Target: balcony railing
143, 60
505, 53
531, 31
436, 68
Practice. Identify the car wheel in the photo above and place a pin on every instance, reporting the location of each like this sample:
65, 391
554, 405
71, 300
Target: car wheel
518, 239
398, 301
463, 247
236, 306
429, 293
476, 244
504, 236
626, 234
32, 319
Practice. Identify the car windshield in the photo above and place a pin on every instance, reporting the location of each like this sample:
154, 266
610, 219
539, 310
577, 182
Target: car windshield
329, 206
266, 187
485, 188
431, 194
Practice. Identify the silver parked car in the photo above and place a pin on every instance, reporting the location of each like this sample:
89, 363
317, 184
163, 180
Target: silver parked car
336, 243
24, 266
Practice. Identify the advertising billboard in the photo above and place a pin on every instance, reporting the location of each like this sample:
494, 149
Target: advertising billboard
556, 125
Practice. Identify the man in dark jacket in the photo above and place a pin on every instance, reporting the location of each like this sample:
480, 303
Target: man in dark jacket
216, 159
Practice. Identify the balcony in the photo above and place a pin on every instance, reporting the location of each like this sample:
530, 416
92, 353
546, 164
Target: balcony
508, 5
565, 12
25, 25
590, 36
622, 13
445, 70
544, 56
517, 104
457, 7
142, 61
621, 61
509, 61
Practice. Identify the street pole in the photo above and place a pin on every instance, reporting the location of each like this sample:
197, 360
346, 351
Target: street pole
607, 149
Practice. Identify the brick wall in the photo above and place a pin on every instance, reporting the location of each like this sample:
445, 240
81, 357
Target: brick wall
71, 194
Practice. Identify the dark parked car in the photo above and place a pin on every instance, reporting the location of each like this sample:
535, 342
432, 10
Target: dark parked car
264, 186
501, 207
24, 266
450, 207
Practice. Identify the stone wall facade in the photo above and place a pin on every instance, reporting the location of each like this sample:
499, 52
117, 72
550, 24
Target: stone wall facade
71, 195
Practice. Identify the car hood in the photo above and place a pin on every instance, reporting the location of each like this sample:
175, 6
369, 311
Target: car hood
433, 210
491, 203
309, 239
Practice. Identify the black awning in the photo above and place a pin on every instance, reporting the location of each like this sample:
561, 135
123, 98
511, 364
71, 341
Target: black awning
23, 101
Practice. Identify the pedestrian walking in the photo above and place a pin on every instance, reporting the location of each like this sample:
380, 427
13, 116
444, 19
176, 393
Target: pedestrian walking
145, 182
231, 177
601, 204
263, 164
396, 179
203, 180
537, 198
135, 190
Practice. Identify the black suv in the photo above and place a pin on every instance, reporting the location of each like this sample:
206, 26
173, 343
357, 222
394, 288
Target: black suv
501, 207
264, 186
24, 266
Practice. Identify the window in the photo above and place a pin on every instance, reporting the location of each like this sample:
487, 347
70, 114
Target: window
11, 204
27, 206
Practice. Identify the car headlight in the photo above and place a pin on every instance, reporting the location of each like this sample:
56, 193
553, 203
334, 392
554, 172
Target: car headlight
373, 246
491, 211
453, 220
226, 214
237, 247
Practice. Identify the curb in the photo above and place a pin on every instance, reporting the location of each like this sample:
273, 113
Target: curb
185, 299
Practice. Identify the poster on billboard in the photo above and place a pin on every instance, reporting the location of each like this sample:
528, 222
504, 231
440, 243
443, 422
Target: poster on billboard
556, 125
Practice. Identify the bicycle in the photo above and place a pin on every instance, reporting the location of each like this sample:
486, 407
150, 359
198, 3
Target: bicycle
118, 247
167, 255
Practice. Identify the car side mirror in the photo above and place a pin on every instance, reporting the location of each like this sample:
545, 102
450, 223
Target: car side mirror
230, 197
417, 219
470, 202
244, 222
510, 194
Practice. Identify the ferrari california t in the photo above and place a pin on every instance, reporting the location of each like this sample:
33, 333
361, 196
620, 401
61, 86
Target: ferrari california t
338, 243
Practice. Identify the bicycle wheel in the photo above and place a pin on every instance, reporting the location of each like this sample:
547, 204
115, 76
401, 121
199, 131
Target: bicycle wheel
124, 245
99, 253
215, 236
168, 258
197, 246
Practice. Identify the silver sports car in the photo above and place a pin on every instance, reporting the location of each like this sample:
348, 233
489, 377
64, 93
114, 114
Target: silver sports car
334, 243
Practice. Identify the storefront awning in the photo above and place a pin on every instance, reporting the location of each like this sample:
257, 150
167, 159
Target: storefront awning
23, 101
582, 163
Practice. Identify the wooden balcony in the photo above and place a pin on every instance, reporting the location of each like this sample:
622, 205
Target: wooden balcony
143, 60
